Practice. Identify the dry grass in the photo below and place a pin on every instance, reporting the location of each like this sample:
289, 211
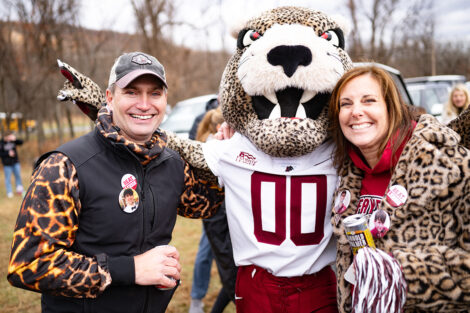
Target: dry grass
185, 239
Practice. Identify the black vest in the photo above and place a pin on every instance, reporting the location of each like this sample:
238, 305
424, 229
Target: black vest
105, 228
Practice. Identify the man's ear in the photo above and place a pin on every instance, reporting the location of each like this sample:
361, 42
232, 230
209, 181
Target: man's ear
109, 99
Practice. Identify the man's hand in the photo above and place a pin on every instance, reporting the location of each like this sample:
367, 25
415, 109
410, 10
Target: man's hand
224, 132
158, 266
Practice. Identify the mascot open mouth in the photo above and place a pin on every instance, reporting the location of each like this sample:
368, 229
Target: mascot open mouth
290, 102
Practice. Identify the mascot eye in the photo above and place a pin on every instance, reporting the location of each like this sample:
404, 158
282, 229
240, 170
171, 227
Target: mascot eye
246, 37
335, 37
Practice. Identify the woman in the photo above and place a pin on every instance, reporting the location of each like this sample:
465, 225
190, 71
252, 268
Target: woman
215, 240
458, 101
419, 173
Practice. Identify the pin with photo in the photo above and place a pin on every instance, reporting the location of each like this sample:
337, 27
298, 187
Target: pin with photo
342, 201
128, 200
379, 223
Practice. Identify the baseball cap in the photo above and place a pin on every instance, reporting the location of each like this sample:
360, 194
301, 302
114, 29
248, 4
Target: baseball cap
131, 65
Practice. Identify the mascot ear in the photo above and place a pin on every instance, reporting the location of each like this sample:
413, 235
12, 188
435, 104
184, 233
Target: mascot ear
343, 24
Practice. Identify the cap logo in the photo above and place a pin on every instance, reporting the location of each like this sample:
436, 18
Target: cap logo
141, 59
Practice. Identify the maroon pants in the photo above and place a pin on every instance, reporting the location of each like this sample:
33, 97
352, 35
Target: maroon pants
258, 291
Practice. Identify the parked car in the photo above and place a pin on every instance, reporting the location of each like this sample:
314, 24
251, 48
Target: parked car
431, 96
431, 92
451, 80
183, 114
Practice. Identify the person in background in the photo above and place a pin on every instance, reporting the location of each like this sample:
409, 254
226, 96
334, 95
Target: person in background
458, 101
11, 163
74, 241
215, 240
421, 176
211, 104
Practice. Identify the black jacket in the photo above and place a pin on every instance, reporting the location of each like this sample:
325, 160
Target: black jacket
105, 228
5, 147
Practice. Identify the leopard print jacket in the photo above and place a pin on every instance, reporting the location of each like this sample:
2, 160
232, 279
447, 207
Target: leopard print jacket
430, 234
41, 258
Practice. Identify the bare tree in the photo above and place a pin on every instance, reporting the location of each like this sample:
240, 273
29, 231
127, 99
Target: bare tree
416, 52
33, 43
376, 28
189, 72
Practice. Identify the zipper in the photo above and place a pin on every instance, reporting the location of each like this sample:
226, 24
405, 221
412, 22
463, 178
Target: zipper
142, 204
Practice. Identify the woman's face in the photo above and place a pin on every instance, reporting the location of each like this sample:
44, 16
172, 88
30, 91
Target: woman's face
458, 98
363, 114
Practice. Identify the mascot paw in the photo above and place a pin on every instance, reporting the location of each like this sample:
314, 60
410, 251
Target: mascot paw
81, 90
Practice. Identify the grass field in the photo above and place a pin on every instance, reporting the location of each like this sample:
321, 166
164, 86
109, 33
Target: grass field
185, 239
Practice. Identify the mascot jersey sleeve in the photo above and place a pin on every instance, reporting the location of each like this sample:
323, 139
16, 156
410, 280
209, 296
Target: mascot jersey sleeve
278, 209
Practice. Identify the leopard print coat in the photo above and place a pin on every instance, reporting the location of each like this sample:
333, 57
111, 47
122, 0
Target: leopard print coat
41, 257
430, 233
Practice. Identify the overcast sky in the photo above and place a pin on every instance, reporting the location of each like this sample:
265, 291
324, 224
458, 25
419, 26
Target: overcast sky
209, 21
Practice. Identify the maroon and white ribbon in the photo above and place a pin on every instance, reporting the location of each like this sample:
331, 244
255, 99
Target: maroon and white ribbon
380, 285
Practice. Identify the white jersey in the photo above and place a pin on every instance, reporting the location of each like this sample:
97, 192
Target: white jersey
278, 209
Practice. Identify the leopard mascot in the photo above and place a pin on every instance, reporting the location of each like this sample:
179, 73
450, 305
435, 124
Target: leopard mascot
277, 169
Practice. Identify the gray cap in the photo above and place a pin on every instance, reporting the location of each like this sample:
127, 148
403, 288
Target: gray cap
129, 66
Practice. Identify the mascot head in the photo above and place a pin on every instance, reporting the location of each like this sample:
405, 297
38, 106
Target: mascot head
275, 88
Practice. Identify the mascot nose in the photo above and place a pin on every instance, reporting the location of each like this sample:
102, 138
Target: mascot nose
290, 57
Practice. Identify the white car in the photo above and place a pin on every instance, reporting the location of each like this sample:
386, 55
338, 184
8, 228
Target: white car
431, 96
182, 116
432, 92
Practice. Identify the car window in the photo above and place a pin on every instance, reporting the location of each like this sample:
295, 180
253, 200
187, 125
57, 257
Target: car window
182, 117
183, 114
430, 96
416, 96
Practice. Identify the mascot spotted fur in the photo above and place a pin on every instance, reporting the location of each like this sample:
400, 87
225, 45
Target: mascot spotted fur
277, 169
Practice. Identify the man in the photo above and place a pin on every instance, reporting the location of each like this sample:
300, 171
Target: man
74, 242
11, 164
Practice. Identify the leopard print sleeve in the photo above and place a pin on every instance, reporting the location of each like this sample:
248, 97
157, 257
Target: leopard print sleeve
200, 198
41, 257
461, 126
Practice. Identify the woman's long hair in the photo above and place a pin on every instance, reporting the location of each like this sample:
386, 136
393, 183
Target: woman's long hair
399, 116
209, 124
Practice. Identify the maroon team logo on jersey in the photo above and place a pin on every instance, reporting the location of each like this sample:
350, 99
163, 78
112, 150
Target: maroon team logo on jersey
368, 204
246, 158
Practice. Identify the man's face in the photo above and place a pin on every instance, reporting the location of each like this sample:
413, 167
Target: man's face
129, 200
139, 108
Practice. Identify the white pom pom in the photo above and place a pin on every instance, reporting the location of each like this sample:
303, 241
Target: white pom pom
380, 285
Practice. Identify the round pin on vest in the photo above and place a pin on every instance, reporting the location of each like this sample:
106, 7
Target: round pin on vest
129, 181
